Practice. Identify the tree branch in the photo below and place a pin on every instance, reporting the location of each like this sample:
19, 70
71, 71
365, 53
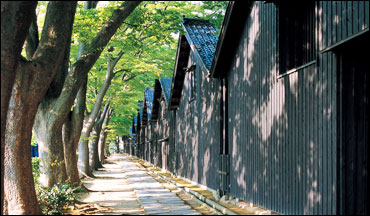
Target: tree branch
128, 79
131, 24
50, 50
32, 39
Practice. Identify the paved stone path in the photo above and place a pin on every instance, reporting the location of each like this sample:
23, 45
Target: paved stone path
127, 189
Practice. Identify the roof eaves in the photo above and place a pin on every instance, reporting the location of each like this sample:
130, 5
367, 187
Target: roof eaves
231, 29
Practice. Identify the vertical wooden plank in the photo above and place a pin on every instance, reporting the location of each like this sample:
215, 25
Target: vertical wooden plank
329, 23
255, 144
324, 24
242, 146
266, 142
340, 20
274, 170
314, 100
326, 147
279, 95
361, 15
262, 72
356, 21
298, 142
254, 69
330, 145
366, 9
298, 177
344, 19
349, 18
293, 147
304, 135
324, 153
327, 139
333, 127
281, 144
272, 84
334, 20
340, 209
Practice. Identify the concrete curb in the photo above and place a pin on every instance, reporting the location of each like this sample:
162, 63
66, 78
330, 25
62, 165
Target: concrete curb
209, 203
256, 211
194, 197
200, 197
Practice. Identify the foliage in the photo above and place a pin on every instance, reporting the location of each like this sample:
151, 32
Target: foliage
33, 139
56, 199
148, 38
36, 169
53, 200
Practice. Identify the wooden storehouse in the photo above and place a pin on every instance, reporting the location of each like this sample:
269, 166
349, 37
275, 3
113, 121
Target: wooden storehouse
132, 137
140, 134
164, 119
147, 126
196, 101
295, 83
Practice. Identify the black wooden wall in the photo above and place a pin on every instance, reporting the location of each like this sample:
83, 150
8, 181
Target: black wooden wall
283, 129
198, 128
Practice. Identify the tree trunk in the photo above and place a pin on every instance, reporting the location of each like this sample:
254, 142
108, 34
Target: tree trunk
103, 136
32, 81
70, 148
49, 138
18, 180
49, 122
117, 144
94, 160
60, 102
85, 63
71, 134
16, 18
90, 121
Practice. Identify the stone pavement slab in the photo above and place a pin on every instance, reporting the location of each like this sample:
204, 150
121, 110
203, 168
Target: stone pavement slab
125, 188
152, 195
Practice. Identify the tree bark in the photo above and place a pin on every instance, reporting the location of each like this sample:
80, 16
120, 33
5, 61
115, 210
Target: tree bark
71, 134
48, 125
94, 160
32, 81
16, 18
103, 136
18, 181
74, 122
117, 144
51, 153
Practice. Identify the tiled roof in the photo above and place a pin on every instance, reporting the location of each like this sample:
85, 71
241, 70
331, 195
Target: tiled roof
202, 35
149, 92
166, 87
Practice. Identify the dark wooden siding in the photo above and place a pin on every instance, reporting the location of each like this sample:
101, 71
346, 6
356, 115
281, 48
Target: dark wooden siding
339, 20
208, 96
198, 128
353, 103
186, 131
163, 131
282, 130
148, 140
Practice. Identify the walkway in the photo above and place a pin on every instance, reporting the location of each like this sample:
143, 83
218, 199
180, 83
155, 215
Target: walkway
124, 188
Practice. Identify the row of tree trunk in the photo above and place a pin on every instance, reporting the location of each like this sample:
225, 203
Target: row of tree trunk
39, 92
